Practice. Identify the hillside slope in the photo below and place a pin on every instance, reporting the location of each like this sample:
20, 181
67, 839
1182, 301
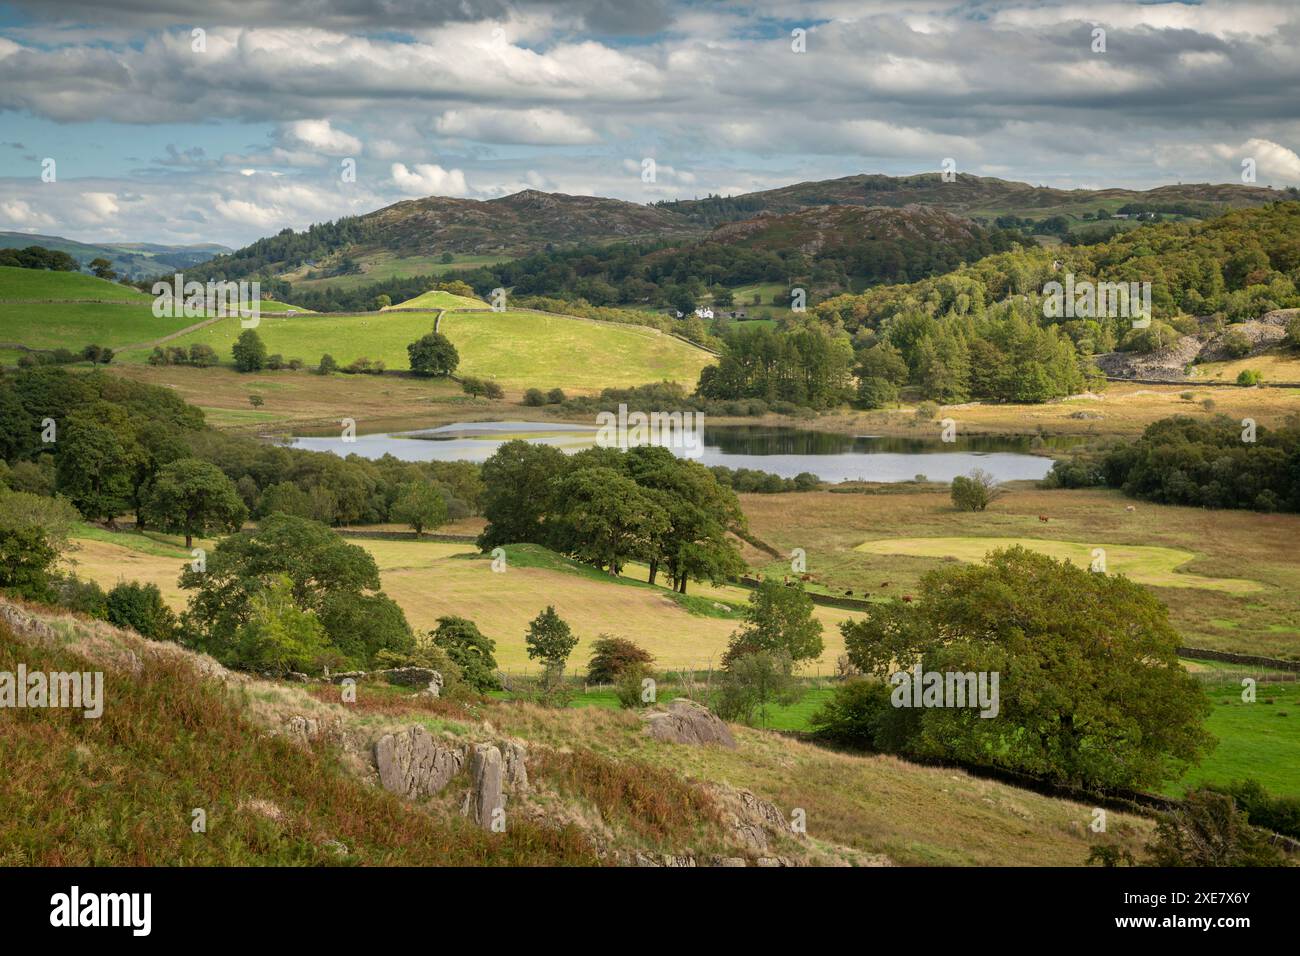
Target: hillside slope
287, 774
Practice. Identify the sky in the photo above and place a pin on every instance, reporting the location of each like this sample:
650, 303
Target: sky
227, 120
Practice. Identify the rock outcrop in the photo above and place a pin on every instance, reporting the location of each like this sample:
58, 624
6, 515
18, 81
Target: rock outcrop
686, 722
485, 795
415, 764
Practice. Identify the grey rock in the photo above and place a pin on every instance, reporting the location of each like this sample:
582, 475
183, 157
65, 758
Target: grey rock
414, 764
484, 797
686, 722
516, 772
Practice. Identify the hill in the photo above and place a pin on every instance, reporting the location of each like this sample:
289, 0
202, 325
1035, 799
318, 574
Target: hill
966, 194
830, 230
438, 299
287, 774
134, 260
518, 349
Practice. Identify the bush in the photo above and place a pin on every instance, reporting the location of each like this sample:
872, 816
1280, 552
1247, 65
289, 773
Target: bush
555, 396
926, 411
534, 397
1208, 830
278, 636
81, 597
470, 650
754, 682
1236, 343
327, 365
1249, 377
611, 656
1277, 813
140, 607
974, 492
630, 689
859, 714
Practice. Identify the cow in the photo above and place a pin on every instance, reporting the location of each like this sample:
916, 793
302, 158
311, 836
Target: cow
907, 598
884, 584
1130, 508
1044, 518
849, 593
806, 577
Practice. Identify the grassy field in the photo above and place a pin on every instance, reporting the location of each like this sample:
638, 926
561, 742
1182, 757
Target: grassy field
1119, 410
430, 579
17, 283
1220, 546
518, 349
438, 299
298, 398
1155, 567
72, 325
1260, 739
1275, 365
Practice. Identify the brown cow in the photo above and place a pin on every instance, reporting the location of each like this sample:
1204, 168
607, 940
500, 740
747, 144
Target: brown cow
907, 598
1044, 518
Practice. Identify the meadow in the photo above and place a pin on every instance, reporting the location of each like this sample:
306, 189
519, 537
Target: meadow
517, 349
1194, 559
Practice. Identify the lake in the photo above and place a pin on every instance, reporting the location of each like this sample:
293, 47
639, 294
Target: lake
781, 450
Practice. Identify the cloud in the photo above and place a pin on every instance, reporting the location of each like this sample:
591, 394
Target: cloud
428, 179
319, 135
534, 127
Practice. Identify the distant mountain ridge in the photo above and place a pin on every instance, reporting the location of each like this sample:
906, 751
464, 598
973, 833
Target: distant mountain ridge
136, 260
532, 221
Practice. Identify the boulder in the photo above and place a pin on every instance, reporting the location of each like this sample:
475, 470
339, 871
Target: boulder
425, 678
414, 764
686, 722
484, 797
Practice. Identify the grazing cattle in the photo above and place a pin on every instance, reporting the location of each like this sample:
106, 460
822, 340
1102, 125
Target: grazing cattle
907, 598
849, 593
1130, 508
806, 577
1043, 518
884, 584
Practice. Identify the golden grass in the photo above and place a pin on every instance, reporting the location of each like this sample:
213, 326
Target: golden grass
1158, 567
1225, 545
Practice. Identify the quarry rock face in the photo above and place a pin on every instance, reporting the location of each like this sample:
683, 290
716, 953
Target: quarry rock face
485, 796
686, 722
413, 763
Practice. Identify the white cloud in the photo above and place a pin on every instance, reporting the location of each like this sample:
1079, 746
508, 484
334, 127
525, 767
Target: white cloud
429, 179
320, 135
534, 127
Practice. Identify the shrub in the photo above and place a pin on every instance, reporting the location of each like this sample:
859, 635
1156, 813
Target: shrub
630, 689
974, 492
754, 682
470, 650
82, 597
1209, 830
555, 396
1249, 377
140, 607
534, 397
327, 365
926, 411
1236, 343
1278, 813
613, 655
